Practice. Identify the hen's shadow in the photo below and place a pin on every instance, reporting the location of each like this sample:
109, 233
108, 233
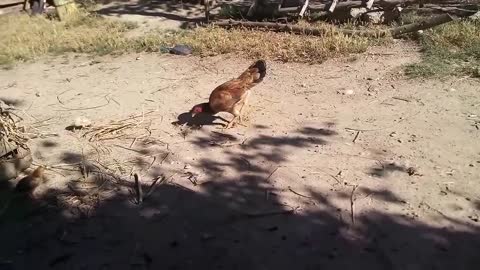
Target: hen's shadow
201, 119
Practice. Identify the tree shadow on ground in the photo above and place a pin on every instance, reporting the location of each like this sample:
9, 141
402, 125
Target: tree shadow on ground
187, 12
227, 222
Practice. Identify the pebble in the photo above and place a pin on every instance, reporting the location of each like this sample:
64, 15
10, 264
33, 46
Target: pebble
181, 50
348, 92
81, 122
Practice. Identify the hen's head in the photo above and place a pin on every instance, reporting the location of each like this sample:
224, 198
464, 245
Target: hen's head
200, 108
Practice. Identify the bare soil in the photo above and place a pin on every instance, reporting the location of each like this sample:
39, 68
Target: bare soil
342, 165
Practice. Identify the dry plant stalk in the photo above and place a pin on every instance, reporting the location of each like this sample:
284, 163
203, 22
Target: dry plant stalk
116, 129
9, 131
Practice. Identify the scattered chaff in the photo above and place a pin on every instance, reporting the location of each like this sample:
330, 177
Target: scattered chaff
116, 129
9, 131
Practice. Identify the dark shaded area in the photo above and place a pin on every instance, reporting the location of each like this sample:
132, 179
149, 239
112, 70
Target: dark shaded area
201, 119
383, 195
49, 144
6, 5
160, 8
383, 170
230, 224
12, 101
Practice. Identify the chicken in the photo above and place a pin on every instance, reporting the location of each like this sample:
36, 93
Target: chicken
232, 96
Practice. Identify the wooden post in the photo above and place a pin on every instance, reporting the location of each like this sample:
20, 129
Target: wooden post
252, 9
207, 10
66, 9
304, 8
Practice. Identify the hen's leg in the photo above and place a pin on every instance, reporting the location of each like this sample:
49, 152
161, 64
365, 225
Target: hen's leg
236, 115
230, 124
244, 103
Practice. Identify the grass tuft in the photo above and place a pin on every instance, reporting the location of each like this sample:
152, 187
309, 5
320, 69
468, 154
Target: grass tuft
449, 49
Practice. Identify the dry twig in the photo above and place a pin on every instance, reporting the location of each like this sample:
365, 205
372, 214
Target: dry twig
296, 193
352, 200
138, 189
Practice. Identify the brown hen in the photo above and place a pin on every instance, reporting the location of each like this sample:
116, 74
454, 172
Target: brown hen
232, 96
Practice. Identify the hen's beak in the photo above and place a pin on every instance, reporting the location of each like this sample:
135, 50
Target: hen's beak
193, 114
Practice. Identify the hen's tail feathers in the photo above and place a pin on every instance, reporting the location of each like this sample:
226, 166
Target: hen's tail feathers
254, 73
261, 68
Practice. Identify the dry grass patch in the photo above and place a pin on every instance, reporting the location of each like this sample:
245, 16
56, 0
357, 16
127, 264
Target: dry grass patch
450, 49
23, 38
265, 44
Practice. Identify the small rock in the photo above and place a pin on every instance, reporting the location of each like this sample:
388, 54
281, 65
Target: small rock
473, 218
471, 165
37, 94
149, 213
399, 140
411, 171
181, 50
348, 92
452, 90
357, 12
272, 229
393, 134
187, 166
81, 122
138, 58
207, 236
304, 85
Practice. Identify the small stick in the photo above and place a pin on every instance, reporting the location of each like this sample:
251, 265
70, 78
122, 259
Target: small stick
352, 216
151, 164
164, 158
402, 99
271, 213
271, 174
152, 186
138, 189
296, 193
356, 136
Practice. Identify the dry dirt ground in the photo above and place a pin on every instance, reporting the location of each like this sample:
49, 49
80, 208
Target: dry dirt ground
296, 153
341, 165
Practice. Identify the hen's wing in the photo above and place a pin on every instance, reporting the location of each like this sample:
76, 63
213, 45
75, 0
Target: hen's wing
226, 96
